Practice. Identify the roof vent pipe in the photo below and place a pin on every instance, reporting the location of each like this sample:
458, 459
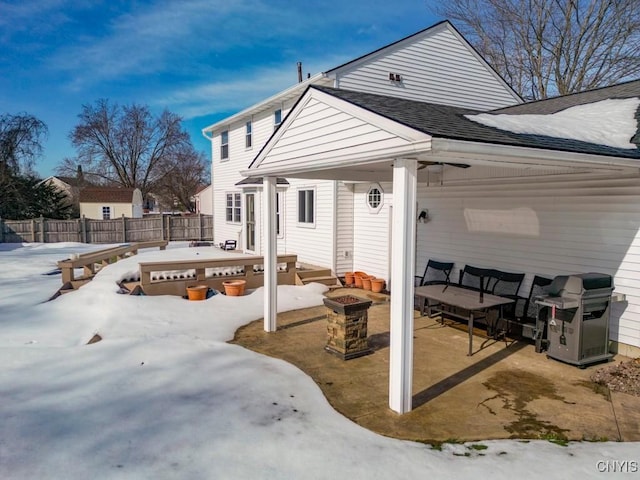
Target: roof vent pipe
299, 72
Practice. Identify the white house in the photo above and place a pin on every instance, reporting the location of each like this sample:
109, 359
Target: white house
106, 203
436, 64
204, 200
371, 144
550, 188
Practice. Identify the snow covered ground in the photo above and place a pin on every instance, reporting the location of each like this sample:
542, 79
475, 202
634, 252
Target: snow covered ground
164, 396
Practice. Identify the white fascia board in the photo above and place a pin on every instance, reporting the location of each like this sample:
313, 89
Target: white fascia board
411, 151
446, 148
420, 142
280, 97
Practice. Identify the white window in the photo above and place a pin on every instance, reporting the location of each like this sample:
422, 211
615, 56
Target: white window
233, 208
279, 216
224, 145
106, 213
248, 142
375, 197
306, 207
277, 118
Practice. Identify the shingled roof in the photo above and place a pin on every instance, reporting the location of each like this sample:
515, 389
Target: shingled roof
106, 195
555, 104
442, 121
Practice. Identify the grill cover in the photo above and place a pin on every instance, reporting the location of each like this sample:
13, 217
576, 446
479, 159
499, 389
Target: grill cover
575, 285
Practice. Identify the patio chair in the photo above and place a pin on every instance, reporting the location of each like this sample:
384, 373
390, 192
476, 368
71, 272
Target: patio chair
229, 245
435, 273
470, 277
527, 313
507, 285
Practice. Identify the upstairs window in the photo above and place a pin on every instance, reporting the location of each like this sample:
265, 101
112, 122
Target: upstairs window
233, 208
277, 118
224, 145
248, 130
306, 207
106, 213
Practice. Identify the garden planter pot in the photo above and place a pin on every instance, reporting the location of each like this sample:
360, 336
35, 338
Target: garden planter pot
357, 278
234, 288
197, 292
366, 283
348, 278
377, 285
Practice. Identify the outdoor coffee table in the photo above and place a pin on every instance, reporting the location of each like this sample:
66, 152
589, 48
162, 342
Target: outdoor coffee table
471, 301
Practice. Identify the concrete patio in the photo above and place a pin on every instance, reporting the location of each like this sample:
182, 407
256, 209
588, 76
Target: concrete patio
501, 391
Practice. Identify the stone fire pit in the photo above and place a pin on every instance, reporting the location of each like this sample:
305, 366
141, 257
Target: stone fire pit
347, 326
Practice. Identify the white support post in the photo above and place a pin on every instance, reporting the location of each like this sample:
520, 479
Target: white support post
270, 254
403, 248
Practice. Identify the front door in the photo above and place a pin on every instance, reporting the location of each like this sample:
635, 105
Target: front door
250, 220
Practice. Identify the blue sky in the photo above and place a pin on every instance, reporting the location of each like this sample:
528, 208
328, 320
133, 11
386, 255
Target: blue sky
200, 59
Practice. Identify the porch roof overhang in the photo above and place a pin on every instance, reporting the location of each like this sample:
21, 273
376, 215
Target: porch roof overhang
378, 166
347, 156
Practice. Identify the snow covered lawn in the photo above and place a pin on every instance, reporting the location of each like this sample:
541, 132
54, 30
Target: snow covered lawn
164, 396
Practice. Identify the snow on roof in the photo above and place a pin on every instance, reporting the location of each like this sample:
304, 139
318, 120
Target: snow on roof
610, 122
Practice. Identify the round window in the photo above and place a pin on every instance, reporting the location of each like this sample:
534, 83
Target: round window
374, 198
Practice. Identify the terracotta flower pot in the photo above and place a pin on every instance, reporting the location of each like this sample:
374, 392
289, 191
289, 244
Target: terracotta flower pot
366, 282
377, 285
348, 278
234, 288
197, 292
357, 277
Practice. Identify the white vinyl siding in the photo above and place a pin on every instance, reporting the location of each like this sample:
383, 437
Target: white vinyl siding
227, 173
312, 245
322, 129
436, 68
344, 225
371, 233
546, 229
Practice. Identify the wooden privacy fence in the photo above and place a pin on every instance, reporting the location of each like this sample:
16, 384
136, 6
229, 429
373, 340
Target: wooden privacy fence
85, 230
173, 277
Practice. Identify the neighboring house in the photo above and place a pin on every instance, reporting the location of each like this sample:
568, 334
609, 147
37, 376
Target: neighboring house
203, 200
105, 203
436, 64
70, 186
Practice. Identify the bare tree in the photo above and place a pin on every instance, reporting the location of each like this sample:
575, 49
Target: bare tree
551, 47
21, 139
188, 173
126, 146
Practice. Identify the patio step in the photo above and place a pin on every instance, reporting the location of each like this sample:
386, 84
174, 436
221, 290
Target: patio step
329, 280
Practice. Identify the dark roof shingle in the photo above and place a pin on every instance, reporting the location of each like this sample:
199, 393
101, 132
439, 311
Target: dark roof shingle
106, 195
449, 122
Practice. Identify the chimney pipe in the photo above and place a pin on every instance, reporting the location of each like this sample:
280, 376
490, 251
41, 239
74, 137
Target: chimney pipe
299, 72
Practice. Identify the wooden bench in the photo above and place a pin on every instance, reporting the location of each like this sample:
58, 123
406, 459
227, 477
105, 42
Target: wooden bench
89, 261
194, 272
